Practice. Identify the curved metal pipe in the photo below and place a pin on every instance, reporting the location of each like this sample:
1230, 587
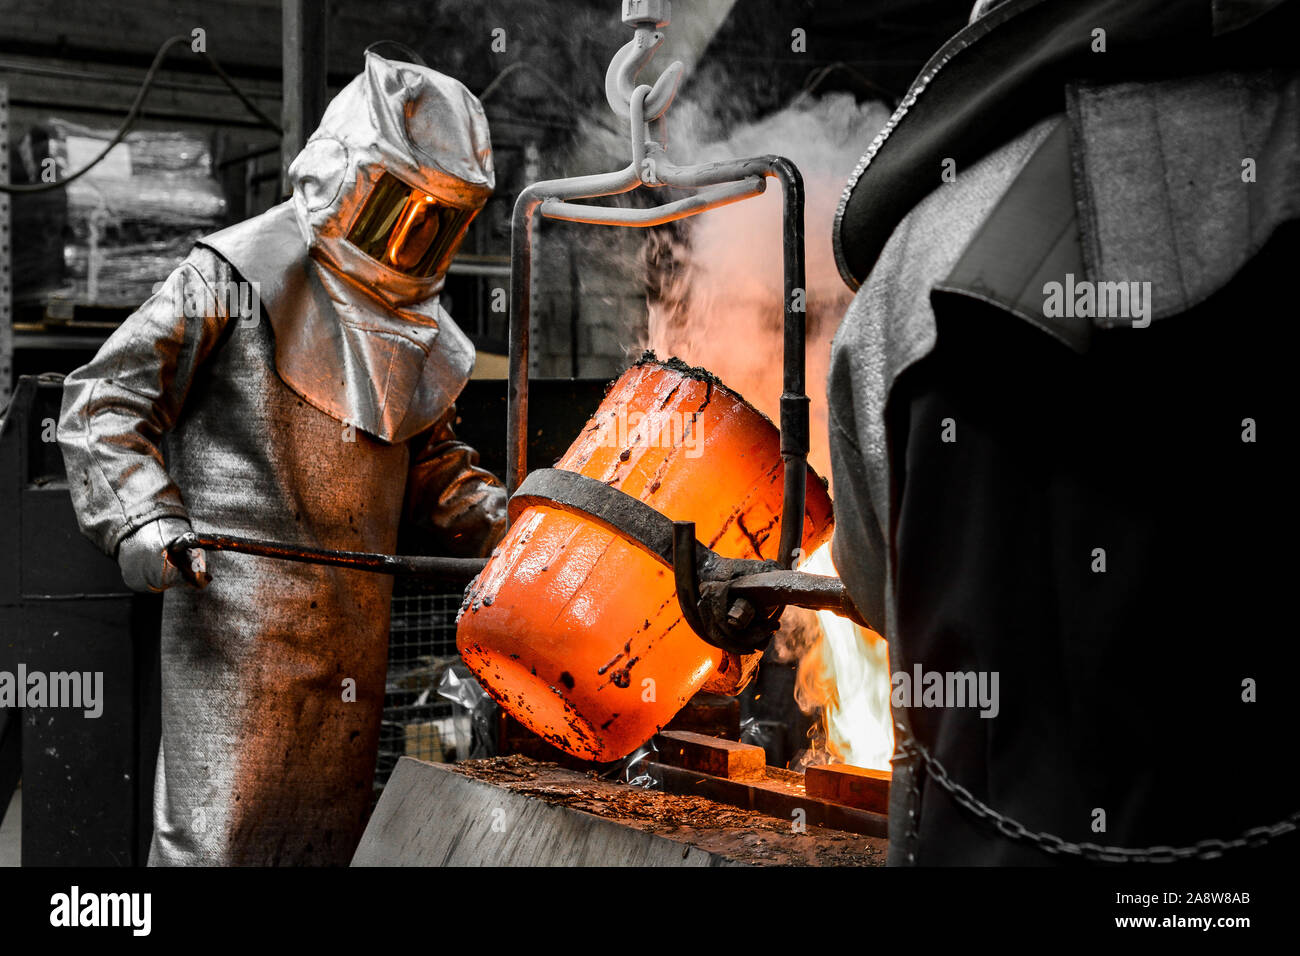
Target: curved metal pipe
521, 280
521, 277
794, 396
711, 198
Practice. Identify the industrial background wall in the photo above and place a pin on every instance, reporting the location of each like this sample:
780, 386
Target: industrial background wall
538, 67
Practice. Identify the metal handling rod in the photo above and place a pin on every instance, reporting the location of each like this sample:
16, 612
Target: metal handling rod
821, 592
718, 184
736, 603
456, 570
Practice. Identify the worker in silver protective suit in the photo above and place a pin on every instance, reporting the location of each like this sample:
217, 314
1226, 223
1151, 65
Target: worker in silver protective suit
320, 417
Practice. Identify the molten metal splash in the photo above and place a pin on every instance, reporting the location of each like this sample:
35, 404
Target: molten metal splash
846, 674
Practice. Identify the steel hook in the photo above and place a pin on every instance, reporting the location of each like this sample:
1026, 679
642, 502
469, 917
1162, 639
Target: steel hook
620, 78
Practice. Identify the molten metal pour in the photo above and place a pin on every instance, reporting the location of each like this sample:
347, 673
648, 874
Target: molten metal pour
586, 623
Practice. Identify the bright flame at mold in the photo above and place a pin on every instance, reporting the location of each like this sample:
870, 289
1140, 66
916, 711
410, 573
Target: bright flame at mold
846, 674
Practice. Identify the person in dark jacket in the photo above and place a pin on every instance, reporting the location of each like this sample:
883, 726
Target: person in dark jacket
1060, 423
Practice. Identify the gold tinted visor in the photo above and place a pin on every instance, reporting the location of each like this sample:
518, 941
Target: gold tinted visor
408, 230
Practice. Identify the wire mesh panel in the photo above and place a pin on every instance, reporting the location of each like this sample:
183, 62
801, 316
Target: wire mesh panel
418, 722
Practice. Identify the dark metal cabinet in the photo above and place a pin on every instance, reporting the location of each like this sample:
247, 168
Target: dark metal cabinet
86, 782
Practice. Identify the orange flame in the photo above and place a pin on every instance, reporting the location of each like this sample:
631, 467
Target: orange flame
846, 674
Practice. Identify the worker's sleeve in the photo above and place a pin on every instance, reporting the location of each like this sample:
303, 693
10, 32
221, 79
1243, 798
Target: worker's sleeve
461, 505
858, 547
118, 407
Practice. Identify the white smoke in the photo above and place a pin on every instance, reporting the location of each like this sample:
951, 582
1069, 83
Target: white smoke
716, 300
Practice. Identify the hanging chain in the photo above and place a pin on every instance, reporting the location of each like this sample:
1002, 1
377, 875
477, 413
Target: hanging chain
1051, 843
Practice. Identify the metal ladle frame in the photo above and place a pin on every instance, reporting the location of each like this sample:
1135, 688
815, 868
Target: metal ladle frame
720, 184
724, 610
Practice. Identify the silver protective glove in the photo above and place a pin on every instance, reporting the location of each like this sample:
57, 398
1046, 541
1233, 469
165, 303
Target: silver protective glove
143, 558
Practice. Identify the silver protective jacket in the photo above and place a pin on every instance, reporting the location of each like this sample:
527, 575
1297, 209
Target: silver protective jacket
361, 341
203, 407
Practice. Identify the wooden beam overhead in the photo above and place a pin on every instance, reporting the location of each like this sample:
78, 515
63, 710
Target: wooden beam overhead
306, 55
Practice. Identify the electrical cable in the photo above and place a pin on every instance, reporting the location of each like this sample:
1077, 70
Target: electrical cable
133, 114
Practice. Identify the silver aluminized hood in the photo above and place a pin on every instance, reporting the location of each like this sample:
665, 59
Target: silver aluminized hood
417, 124
362, 342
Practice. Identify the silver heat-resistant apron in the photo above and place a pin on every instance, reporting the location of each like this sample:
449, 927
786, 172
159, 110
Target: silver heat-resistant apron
273, 678
322, 420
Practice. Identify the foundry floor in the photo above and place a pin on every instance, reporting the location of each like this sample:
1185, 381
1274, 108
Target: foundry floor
744, 836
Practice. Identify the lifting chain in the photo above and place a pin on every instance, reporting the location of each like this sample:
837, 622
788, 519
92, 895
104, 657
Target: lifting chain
1053, 844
